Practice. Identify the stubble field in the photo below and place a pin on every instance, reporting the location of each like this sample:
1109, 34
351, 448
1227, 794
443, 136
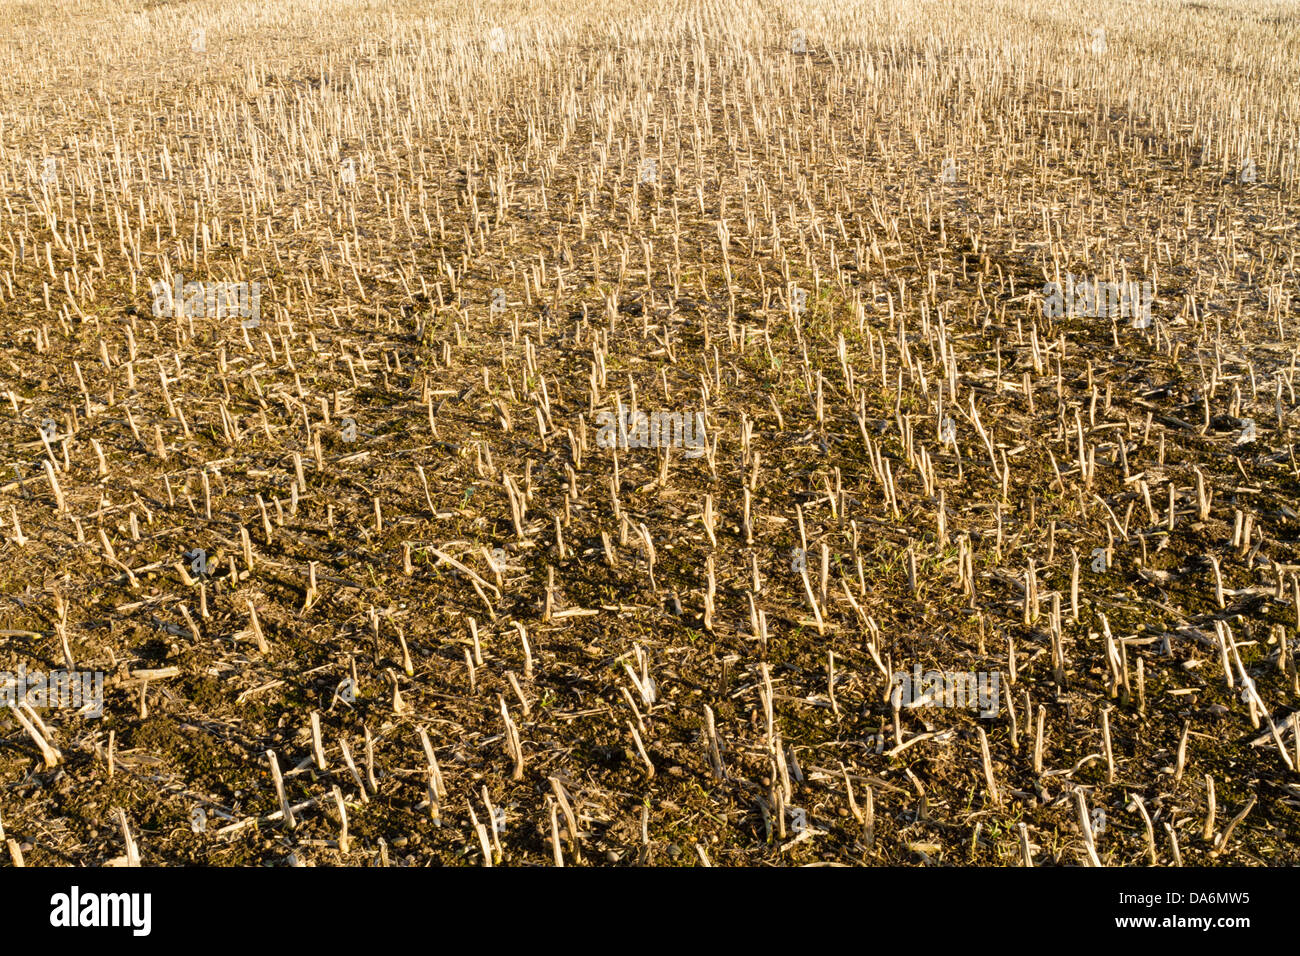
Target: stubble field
895, 552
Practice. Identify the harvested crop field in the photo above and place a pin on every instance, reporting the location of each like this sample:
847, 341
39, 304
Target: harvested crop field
611, 433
